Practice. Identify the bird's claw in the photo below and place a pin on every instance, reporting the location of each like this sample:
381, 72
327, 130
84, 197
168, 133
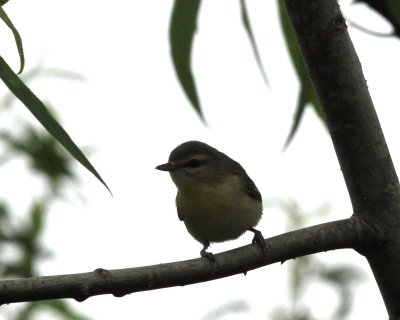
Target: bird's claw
208, 255
259, 239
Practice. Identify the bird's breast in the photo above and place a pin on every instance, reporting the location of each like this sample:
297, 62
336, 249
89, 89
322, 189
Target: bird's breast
217, 211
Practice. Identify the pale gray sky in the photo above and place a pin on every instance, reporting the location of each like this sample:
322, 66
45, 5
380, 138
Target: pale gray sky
132, 109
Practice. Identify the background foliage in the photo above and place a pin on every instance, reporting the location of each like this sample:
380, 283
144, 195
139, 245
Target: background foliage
22, 249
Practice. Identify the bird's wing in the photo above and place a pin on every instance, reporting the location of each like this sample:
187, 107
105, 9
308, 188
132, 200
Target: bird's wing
179, 215
251, 189
249, 185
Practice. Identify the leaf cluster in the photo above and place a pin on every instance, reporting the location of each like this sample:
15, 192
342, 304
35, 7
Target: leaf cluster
183, 27
306, 271
22, 246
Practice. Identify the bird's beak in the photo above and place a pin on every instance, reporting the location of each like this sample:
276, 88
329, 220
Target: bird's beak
166, 166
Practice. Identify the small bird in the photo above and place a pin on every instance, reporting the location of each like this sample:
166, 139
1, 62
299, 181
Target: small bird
216, 198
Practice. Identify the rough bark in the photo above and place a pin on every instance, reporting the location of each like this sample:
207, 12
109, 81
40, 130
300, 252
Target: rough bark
373, 186
329, 236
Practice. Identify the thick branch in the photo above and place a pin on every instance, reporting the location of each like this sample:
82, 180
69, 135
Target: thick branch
349, 233
360, 146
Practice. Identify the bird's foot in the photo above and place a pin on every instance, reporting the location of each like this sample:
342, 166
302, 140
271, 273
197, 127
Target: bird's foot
259, 239
208, 255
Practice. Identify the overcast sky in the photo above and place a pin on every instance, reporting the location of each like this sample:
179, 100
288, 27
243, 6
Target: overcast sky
132, 110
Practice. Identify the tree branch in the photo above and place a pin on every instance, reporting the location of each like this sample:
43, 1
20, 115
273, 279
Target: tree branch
349, 233
368, 170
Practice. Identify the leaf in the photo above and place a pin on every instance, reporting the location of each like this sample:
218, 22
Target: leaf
181, 33
228, 308
40, 72
44, 154
63, 309
342, 278
38, 109
60, 308
301, 105
17, 38
307, 92
307, 95
37, 220
389, 9
249, 31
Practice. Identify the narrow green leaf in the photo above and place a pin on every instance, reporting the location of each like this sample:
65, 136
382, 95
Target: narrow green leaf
307, 93
37, 220
181, 33
388, 9
17, 38
301, 105
61, 308
249, 31
38, 109
394, 9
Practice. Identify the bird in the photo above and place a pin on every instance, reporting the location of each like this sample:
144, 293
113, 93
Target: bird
216, 199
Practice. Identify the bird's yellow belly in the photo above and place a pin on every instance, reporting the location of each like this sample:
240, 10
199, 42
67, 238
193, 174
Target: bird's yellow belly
219, 212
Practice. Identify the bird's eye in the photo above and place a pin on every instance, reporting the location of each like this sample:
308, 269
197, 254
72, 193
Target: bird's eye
193, 163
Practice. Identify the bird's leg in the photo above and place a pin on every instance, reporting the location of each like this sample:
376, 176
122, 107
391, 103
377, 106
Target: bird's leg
259, 239
208, 255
